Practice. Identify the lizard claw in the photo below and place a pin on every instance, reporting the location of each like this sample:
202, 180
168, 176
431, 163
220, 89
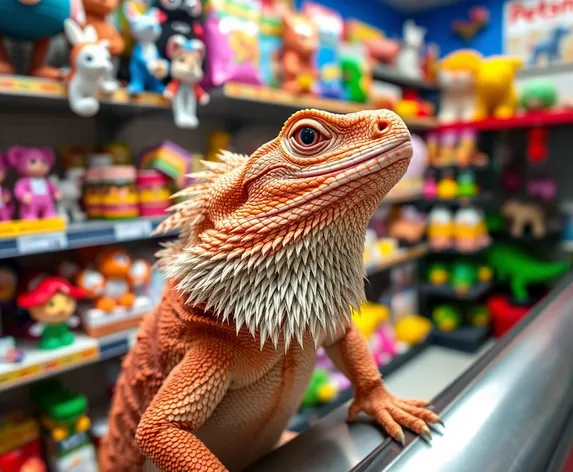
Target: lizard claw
393, 414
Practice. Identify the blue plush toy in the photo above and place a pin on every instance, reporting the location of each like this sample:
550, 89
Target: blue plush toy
36, 21
146, 68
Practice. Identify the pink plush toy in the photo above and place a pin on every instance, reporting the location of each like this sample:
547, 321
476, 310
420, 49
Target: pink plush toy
33, 190
6, 204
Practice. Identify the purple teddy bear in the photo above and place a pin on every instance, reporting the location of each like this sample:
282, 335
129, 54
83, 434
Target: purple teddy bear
34, 191
6, 204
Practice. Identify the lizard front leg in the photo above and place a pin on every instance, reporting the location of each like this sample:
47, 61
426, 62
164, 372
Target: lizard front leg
186, 400
351, 356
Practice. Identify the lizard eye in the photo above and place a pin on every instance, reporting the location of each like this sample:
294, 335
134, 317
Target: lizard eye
309, 138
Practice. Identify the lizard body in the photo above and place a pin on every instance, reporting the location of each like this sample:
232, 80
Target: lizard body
267, 267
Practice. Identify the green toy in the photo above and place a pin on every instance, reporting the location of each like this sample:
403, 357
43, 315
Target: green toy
467, 187
464, 276
63, 412
446, 317
438, 273
520, 269
539, 95
355, 74
478, 315
320, 390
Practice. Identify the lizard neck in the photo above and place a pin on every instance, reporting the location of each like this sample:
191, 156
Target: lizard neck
307, 286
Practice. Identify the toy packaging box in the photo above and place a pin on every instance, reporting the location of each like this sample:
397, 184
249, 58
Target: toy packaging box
331, 28
20, 445
270, 43
232, 42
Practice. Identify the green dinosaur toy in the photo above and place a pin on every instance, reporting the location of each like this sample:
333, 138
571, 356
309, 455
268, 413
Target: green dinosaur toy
520, 269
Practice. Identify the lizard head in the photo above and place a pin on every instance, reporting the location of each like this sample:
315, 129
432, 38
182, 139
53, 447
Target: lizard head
290, 220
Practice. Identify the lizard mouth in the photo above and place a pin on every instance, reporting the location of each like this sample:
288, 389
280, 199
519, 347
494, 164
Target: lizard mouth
342, 173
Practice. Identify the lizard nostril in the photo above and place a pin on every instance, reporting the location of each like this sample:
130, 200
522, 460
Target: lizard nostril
381, 126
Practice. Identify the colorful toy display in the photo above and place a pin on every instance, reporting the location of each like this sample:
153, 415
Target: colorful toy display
168, 158
6, 202
300, 45
320, 389
97, 15
520, 269
20, 444
430, 189
549, 47
37, 22
470, 230
115, 286
522, 215
179, 18
495, 83
68, 207
539, 95
330, 31
446, 317
440, 228
457, 75
467, 187
409, 227
206, 281
66, 424
51, 303
409, 61
447, 188
146, 67
34, 192
380, 48
231, 37
452, 148
118, 195
270, 44
184, 91
90, 65
438, 273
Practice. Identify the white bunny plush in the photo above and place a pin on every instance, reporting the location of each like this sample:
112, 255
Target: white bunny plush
90, 62
408, 62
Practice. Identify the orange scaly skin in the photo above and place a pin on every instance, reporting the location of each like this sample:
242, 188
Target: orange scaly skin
266, 268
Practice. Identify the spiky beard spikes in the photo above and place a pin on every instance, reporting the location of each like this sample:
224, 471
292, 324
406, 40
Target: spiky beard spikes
308, 286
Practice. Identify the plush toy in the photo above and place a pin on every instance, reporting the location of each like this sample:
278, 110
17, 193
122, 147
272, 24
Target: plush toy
539, 94
181, 17
300, 44
6, 203
320, 389
409, 59
447, 187
438, 273
412, 329
51, 302
35, 193
37, 21
522, 215
184, 91
463, 276
469, 230
90, 63
97, 15
467, 187
457, 75
409, 227
147, 69
70, 188
430, 189
495, 84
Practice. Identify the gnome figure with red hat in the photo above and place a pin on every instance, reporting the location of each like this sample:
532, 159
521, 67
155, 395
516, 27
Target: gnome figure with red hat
51, 302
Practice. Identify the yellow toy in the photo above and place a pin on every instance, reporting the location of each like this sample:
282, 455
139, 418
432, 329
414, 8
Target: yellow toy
440, 228
412, 329
370, 317
447, 188
218, 141
496, 92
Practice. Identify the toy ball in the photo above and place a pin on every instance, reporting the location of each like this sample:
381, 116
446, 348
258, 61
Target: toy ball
419, 161
539, 95
478, 316
446, 318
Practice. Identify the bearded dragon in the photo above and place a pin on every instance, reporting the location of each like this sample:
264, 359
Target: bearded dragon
266, 268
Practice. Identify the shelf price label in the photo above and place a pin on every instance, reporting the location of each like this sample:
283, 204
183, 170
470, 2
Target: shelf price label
132, 230
38, 243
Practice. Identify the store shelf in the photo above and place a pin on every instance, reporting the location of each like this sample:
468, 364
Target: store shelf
400, 257
466, 338
448, 292
231, 101
91, 233
529, 120
38, 364
456, 252
460, 201
306, 416
391, 76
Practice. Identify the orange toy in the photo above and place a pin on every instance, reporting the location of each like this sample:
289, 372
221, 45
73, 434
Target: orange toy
300, 43
97, 13
112, 284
